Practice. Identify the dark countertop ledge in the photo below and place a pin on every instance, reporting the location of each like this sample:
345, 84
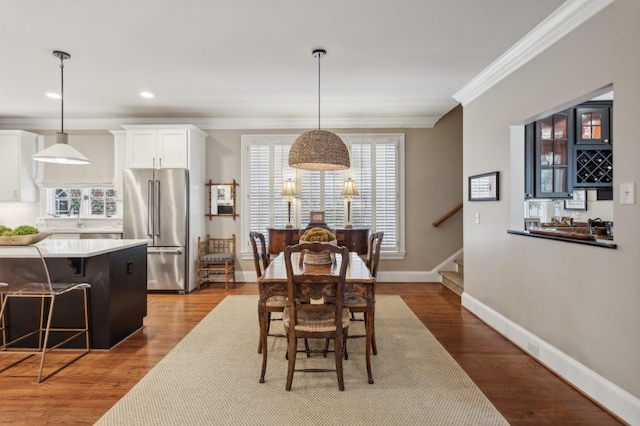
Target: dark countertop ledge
566, 240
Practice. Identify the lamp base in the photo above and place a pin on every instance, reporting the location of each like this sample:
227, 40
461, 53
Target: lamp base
348, 226
288, 226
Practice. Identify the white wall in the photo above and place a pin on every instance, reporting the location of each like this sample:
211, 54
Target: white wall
15, 214
579, 299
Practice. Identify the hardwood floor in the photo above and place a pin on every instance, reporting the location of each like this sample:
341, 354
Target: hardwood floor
521, 389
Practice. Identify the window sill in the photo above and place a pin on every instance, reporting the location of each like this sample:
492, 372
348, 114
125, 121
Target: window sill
597, 243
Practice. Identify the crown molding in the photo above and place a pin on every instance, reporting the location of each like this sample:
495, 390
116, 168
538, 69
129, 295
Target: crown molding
561, 22
222, 123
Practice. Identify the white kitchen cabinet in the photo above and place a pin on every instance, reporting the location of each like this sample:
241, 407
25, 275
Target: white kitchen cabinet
153, 147
18, 170
119, 160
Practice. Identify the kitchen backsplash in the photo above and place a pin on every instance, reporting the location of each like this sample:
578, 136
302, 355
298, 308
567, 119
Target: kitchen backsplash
13, 214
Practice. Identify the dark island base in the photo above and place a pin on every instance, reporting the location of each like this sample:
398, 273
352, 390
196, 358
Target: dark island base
117, 298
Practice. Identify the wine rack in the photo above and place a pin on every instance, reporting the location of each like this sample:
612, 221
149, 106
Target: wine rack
594, 167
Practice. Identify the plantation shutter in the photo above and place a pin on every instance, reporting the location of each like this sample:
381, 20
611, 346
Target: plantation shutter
334, 204
259, 188
362, 204
310, 194
386, 192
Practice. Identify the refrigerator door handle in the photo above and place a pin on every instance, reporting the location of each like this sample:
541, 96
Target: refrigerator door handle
154, 250
156, 209
149, 209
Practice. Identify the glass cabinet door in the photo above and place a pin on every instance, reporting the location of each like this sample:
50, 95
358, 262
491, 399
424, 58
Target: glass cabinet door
552, 156
592, 125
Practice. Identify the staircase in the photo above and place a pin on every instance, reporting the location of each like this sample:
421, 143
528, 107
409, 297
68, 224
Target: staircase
454, 281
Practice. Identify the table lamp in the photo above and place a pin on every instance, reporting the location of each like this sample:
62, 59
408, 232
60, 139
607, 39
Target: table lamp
289, 190
348, 190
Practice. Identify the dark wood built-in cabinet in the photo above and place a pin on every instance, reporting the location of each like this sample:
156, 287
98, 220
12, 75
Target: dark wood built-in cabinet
569, 149
354, 239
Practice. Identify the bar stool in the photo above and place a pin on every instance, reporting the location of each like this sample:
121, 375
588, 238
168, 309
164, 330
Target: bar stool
26, 275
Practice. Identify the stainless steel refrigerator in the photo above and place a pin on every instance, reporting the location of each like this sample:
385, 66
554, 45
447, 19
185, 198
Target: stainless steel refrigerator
156, 207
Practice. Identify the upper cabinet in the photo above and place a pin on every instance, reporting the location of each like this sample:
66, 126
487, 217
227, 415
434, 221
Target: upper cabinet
569, 149
162, 147
593, 124
17, 173
553, 155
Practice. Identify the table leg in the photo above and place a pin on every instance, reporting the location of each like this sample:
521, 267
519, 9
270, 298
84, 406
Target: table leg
369, 333
262, 311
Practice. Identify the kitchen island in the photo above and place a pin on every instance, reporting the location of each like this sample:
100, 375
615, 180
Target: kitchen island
117, 273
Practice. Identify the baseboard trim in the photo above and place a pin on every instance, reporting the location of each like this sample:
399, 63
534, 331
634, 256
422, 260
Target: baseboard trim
613, 398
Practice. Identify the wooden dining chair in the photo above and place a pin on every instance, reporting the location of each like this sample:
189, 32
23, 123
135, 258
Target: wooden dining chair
358, 303
261, 261
304, 317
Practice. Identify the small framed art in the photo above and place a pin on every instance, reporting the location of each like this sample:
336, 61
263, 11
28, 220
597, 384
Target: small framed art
316, 217
484, 187
579, 201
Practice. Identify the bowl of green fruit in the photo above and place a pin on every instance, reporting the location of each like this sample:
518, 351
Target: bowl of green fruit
21, 236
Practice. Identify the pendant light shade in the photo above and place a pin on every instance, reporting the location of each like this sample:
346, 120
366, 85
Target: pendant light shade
319, 149
61, 152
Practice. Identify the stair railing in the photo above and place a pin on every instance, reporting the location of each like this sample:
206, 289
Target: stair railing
447, 215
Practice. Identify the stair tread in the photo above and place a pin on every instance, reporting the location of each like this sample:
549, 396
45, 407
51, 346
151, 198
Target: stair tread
453, 281
459, 262
456, 277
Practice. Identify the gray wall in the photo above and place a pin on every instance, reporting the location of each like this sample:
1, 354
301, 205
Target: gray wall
582, 300
433, 179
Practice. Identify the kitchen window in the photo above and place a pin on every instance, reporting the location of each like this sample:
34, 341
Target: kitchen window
86, 202
376, 164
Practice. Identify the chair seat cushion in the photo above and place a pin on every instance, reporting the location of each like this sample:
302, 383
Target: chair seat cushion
312, 322
277, 302
217, 258
355, 302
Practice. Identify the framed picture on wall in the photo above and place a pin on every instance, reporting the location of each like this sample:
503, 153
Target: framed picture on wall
484, 187
316, 217
579, 201
531, 223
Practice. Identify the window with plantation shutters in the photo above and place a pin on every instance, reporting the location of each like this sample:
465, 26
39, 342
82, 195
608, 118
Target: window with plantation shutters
376, 164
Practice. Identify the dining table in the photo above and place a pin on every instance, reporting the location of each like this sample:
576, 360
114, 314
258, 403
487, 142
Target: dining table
358, 280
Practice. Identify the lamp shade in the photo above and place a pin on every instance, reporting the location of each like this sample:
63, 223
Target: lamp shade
349, 188
289, 188
61, 152
319, 150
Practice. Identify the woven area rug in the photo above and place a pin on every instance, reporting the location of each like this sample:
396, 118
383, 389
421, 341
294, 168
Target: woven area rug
211, 378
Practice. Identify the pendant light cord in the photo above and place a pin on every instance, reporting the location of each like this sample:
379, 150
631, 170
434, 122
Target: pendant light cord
62, 94
319, 56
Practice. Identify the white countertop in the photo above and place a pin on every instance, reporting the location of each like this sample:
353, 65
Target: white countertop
71, 248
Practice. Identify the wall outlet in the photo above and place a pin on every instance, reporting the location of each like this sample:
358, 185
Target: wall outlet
533, 348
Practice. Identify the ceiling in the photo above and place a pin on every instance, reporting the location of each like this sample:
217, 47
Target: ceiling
251, 58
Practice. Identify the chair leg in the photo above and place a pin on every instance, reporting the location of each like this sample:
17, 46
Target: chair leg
86, 317
293, 348
46, 336
226, 276
306, 347
337, 348
344, 344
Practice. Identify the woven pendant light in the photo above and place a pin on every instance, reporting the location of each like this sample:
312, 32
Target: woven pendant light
319, 149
